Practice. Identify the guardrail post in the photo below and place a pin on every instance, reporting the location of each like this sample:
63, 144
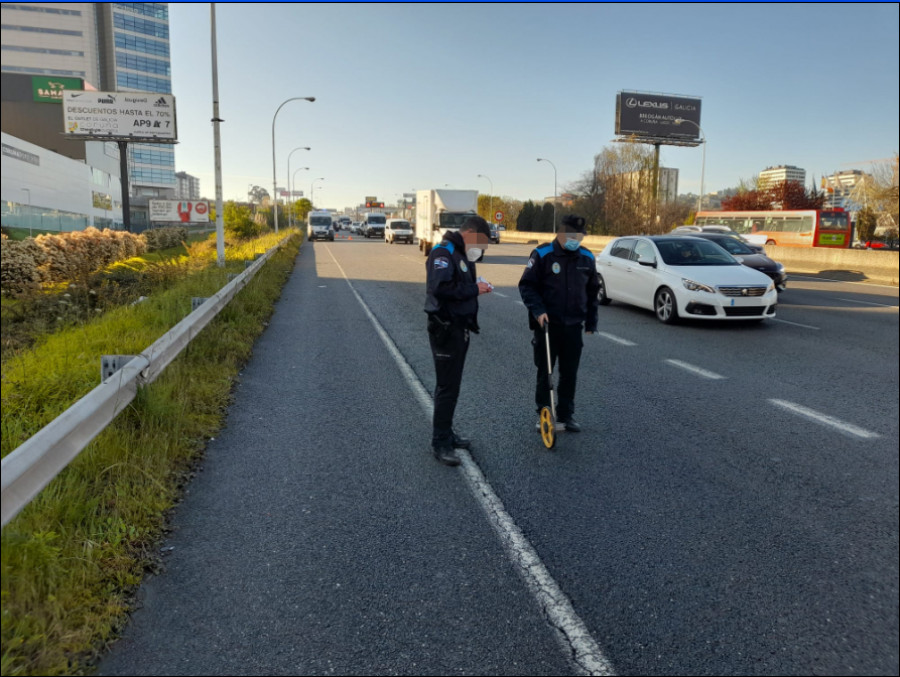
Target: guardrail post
197, 301
110, 364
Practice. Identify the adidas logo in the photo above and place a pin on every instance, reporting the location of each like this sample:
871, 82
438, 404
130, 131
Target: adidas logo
161, 101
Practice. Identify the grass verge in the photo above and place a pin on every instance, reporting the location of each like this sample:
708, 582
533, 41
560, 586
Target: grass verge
72, 557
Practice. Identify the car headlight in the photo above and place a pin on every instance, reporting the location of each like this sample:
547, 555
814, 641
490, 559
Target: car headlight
696, 286
771, 287
779, 267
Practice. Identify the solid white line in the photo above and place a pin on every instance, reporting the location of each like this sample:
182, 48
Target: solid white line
827, 420
796, 324
502, 296
570, 629
867, 303
611, 337
521, 303
695, 370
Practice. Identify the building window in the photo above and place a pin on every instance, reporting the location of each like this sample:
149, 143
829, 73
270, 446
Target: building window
138, 25
143, 82
139, 44
158, 10
37, 8
44, 71
35, 29
142, 63
40, 50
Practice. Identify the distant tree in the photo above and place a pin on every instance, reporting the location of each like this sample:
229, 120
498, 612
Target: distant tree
781, 195
239, 221
257, 193
525, 221
746, 201
301, 209
866, 222
544, 218
624, 178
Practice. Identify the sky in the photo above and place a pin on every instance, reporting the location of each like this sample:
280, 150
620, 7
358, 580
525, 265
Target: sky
415, 96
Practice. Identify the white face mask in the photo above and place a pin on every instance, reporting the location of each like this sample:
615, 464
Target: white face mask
474, 253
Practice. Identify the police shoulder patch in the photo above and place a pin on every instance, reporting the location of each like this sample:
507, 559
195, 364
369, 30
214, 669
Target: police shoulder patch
463, 267
441, 262
530, 263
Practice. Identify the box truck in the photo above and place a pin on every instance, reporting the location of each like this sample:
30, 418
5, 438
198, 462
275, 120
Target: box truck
440, 210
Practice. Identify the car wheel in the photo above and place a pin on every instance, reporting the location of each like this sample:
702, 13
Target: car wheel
665, 307
770, 241
602, 298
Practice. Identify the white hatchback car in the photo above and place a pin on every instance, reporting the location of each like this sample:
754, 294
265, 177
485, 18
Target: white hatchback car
683, 277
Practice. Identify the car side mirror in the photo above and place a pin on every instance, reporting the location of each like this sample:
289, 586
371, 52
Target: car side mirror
644, 261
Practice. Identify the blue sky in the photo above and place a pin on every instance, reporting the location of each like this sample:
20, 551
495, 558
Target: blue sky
424, 95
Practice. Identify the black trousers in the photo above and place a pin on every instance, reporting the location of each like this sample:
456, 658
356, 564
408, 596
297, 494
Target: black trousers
449, 353
566, 343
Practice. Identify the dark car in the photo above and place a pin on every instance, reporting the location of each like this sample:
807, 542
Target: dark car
495, 233
746, 255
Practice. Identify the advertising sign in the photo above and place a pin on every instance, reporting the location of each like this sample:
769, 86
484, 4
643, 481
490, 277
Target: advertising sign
50, 89
654, 115
183, 212
121, 115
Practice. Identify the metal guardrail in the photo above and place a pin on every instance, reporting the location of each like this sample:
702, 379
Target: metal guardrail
30, 467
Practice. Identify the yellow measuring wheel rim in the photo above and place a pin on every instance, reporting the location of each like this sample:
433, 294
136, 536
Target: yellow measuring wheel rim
548, 428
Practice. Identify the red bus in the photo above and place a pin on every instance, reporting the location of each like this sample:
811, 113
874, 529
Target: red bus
793, 228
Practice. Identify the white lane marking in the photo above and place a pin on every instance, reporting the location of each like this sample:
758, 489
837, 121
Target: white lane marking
695, 370
867, 303
576, 639
823, 418
612, 337
521, 303
502, 296
795, 276
796, 324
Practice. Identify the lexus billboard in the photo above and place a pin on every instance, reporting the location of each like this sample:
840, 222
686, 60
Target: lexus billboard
654, 115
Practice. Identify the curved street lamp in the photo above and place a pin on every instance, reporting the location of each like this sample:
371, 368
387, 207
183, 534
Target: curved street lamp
541, 159
678, 121
274, 179
312, 191
290, 187
491, 208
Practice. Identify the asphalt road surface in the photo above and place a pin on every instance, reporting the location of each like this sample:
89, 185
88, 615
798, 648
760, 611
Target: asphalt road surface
731, 506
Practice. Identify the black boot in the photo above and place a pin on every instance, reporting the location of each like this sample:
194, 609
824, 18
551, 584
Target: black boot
445, 454
461, 442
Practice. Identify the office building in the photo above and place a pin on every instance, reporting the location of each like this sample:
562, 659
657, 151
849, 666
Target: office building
773, 175
187, 187
121, 46
840, 189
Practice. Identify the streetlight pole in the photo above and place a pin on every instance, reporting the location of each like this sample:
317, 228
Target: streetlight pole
678, 121
312, 191
290, 188
491, 208
217, 145
540, 159
274, 179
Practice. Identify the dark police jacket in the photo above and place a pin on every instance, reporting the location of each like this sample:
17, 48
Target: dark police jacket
562, 284
451, 290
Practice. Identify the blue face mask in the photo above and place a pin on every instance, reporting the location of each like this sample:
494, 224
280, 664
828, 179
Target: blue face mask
572, 244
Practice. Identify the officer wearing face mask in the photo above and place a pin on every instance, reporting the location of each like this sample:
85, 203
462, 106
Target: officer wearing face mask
451, 303
559, 287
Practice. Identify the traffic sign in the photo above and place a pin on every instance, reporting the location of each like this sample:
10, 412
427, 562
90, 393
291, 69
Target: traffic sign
498, 216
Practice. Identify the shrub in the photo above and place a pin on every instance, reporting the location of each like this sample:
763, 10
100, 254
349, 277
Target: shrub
19, 266
164, 238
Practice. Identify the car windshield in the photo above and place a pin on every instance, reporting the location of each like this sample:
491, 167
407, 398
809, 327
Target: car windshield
400, 224
694, 252
320, 220
733, 246
376, 220
454, 219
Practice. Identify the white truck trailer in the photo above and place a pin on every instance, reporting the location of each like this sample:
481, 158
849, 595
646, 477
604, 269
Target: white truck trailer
439, 210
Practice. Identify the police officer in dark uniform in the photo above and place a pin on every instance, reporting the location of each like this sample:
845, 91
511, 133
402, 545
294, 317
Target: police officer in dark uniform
452, 305
559, 287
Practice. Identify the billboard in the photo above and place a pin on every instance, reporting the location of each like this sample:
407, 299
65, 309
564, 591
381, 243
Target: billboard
120, 115
183, 212
654, 115
50, 90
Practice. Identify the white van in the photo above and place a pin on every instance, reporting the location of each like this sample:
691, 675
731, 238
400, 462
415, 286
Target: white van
319, 226
398, 230
373, 225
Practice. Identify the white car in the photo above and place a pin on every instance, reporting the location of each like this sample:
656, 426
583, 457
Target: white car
398, 230
683, 277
